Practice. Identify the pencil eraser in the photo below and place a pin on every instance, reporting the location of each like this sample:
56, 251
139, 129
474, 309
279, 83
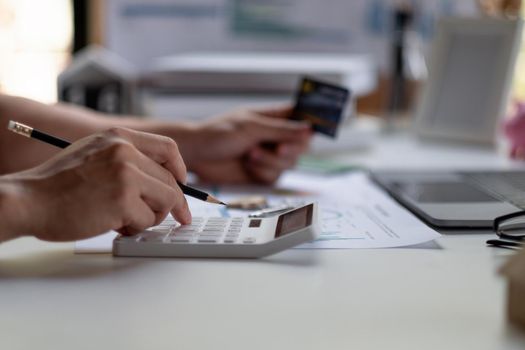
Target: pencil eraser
11, 126
19, 128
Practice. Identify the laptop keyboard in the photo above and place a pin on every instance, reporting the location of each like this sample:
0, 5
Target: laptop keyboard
505, 186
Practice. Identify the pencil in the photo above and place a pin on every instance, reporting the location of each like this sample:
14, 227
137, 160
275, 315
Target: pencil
33, 133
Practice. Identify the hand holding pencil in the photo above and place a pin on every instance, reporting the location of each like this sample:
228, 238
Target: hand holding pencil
119, 179
30, 132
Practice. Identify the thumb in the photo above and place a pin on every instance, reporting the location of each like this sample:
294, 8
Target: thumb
273, 129
280, 112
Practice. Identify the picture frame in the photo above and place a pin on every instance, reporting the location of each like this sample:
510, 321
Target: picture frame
470, 76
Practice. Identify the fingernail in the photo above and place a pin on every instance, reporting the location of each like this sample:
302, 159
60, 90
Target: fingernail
187, 217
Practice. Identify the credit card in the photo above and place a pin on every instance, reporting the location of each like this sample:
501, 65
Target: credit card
321, 104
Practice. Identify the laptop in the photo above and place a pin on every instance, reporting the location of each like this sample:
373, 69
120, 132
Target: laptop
456, 199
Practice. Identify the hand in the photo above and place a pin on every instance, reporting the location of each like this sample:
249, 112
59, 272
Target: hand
119, 179
248, 146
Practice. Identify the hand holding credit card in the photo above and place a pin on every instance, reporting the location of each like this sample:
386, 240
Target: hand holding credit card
321, 105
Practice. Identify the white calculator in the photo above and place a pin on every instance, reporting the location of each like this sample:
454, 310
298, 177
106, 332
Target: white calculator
224, 237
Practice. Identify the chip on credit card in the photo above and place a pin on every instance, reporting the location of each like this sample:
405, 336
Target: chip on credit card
321, 105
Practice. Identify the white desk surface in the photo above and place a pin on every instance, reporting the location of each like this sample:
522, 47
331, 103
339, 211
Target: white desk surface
449, 298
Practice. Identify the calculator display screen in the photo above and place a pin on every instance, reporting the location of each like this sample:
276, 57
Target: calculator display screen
294, 220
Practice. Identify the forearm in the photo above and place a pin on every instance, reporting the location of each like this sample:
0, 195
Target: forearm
18, 153
65, 121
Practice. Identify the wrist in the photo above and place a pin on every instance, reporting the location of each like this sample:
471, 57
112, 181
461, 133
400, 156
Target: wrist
8, 226
14, 210
187, 135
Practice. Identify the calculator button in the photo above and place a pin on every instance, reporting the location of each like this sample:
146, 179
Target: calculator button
237, 219
191, 226
234, 230
185, 230
183, 234
207, 240
211, 234
214, 230
179, 239
164, 224
214, 227
230, 240
218, 219
236, 225
160, 229
249, 240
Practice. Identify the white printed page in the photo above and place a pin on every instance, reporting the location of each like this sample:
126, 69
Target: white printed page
355, 213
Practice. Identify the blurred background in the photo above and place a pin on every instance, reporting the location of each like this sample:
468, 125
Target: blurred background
38, 38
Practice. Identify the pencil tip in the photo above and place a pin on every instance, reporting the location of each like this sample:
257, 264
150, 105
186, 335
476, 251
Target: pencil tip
214, 200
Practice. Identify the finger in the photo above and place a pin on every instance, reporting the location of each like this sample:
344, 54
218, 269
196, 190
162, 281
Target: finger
263, 174
180, 211
125, 151
162, 199
269, 159
161, 149
229, 171
276, 130
159, 197
292, 150
154, 169
288, 153
137, 218
282, 112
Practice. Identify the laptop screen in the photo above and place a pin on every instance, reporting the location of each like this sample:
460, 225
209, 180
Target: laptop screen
442, 192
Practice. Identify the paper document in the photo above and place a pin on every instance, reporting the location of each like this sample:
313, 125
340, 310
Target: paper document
355, 213
99, 244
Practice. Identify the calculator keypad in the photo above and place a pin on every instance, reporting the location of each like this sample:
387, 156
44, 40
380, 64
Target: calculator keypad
201, 230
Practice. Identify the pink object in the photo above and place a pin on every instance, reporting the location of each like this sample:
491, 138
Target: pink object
515, 131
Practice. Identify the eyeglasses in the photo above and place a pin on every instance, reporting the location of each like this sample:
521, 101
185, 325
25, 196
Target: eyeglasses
510, 230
